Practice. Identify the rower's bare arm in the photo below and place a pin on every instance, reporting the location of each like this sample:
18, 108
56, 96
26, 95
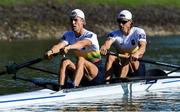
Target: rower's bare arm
78, 45
107, 44
55, 49
141, 50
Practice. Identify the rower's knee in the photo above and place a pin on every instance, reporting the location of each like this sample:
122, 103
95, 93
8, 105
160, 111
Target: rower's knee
81, 60
65, 62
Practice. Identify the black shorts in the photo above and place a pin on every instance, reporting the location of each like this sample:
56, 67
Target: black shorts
99, 79
141, 71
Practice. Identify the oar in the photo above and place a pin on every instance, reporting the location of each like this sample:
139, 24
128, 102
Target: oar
44, 84
141, 78
160, 63
12, 69
152, 74
147, 61
42, 70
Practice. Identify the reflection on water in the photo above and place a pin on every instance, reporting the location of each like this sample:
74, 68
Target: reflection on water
162, 49
162, 100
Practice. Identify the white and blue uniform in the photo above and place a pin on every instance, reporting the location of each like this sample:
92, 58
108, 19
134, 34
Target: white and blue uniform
92, 52
127, 43
70, 38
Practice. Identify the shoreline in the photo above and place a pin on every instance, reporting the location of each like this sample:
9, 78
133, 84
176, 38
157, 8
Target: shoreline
44, 21
55, 33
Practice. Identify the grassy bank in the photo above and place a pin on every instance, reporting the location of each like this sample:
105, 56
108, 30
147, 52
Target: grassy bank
132, 3
21, 19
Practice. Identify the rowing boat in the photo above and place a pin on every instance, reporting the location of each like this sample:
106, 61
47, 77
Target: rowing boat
156, 79
125, 88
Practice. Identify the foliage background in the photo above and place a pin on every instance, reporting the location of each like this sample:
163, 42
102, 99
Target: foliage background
42, 19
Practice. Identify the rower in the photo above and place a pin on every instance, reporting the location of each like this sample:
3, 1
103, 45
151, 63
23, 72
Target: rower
127, 40
85, 46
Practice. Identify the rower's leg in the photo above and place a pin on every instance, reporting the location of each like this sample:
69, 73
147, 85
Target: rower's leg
83, 64
135, 65
124, 68
124, 71
108, 66
79, 71
65, 64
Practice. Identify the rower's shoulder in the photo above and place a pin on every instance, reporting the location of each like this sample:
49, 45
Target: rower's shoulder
67, 33
87, 32
114, 33
138, 30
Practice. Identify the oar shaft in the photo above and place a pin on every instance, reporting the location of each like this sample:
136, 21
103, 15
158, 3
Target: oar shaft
42, 70
159, 63
154, 77
146, 61
142, 78
12, 69
39, 83
29, 63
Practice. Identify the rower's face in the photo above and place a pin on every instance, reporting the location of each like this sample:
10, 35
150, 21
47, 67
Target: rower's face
125, 26
77, 24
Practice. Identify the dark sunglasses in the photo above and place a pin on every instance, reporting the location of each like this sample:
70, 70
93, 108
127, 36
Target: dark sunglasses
121, 21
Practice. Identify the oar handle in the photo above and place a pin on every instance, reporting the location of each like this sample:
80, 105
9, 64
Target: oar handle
145, 60
118, 55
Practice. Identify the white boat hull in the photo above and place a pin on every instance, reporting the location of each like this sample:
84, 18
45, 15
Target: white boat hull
47, 95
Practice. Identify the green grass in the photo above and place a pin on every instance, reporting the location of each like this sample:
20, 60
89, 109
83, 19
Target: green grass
133, 3
16, 2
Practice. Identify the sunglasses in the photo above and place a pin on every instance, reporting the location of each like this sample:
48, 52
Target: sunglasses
121, 21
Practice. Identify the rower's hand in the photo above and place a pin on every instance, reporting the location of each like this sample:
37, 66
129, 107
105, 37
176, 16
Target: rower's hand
134, 57
49, 54
103, 50
66, 49
61, 51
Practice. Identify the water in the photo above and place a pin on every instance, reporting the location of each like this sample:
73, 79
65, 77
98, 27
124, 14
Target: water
162, 100
162, 49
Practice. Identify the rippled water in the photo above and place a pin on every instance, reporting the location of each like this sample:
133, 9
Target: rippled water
162, 100
163, 49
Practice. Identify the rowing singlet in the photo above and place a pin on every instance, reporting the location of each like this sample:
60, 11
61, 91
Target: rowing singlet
127, 43
91, 52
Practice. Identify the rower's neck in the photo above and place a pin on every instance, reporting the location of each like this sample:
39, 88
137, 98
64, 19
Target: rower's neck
78, 34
